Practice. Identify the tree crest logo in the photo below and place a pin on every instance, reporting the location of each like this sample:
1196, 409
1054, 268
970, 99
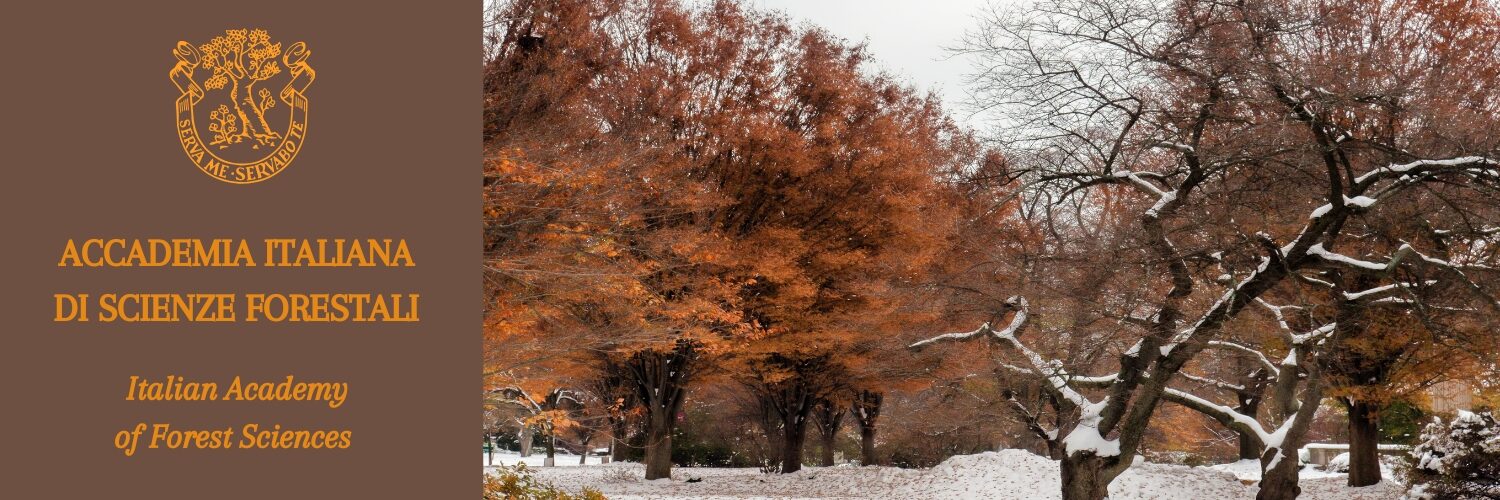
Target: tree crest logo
226, 85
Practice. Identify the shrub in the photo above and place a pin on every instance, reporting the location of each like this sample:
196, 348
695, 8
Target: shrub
1401, 423
517, 483
1458, 460
1339, 463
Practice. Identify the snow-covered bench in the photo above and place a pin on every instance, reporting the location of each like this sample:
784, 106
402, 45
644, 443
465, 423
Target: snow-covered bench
1321, 453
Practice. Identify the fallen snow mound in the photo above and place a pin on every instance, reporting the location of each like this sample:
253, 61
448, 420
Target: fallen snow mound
1022, 474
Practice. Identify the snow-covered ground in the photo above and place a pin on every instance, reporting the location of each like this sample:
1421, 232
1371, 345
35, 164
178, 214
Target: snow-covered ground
1003, 474
1249, 470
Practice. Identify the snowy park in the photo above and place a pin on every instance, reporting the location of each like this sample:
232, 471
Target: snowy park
1072, 249
1004, 474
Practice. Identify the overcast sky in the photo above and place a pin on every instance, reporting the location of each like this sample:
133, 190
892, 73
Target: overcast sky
906, 38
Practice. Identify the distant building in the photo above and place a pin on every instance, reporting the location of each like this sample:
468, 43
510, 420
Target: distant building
1451, 396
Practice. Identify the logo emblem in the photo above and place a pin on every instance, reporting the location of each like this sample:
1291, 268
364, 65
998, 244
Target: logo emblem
242, 114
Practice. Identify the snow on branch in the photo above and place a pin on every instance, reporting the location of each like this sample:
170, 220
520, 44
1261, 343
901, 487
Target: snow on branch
1445, 263
1458, 270
1085, 437
1405, 250
1483, 231
1303, 338
1212, 382
1421, 165
1318, 251
1357, 201
1223, 414
567, 395
1101, 381
1259, 356
1032, 419
1314, 281
1296, 338
1141, 180
1016, 322
1081, 381
983, 329
1385, 288
1138, 180
1051, 370
1221, 309
1161, 203
1277, 312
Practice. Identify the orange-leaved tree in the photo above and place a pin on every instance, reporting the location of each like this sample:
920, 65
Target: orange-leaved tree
699, 185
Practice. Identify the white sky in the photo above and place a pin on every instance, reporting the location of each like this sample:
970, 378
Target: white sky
907, 38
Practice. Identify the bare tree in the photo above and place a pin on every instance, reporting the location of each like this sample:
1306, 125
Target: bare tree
1242, 162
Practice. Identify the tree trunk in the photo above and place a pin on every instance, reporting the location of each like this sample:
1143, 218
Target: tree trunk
551, 449
260, 113
619, 395
1247, 447
1279, 482
1249, 405
866, 411
793, 401
1364, 442
659, 447
617, 439
617, 451
867, 445
1360, 368
828, 416
636, 445
1280, 463
793, 437
1055, 449
826, 453
1084, 477
660, 380
526, 437
234, 98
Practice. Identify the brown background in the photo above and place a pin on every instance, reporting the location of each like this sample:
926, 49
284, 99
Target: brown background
90, 151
